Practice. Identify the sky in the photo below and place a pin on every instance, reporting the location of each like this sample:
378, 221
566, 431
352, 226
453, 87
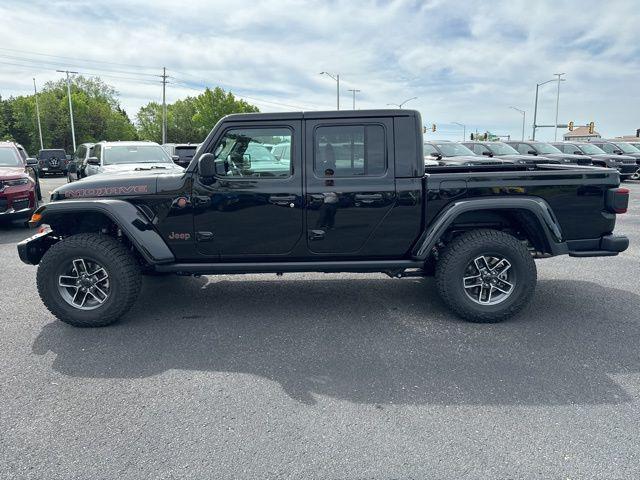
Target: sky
466, 62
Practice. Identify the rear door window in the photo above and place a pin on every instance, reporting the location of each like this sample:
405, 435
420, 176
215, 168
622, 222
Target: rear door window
350, 151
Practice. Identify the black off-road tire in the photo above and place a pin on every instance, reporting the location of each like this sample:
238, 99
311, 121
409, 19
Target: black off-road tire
121, 266
450, 271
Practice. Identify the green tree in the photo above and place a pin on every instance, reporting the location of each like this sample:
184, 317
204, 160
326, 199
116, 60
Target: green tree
190, 119
96, 110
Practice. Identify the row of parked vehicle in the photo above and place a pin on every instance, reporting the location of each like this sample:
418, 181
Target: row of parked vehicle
623, 156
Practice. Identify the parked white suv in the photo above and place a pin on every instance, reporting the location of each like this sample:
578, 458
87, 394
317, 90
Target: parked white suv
116, 157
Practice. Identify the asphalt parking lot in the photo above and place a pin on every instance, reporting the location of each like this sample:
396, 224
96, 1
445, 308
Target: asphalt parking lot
326, 376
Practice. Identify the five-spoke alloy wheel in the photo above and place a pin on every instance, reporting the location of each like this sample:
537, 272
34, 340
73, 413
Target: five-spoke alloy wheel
85, 284
88, 280
486, 275
490, 280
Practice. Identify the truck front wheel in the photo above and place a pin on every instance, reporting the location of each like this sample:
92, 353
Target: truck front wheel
486, 276
88, 280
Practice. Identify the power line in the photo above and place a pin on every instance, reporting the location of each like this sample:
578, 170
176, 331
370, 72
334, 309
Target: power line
186, 84
79, 59
63, 64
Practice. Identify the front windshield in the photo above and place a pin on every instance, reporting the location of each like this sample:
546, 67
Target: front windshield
590, 149
545, 148
9, 158
453, 149
502, 149
627, 148
123, 154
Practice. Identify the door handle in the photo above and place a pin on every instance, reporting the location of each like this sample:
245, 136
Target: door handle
368, 196
282, 199
316, 234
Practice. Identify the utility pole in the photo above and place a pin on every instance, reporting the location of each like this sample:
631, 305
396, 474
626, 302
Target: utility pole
524, 116
336, 78
35, 91
73, 131
164, 105
464, 130
555, 130
354, 91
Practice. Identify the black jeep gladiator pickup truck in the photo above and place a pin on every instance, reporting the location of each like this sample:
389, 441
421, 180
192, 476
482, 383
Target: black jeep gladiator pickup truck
350, 195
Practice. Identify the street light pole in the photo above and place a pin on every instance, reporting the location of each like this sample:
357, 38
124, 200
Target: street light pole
73, 131
335, 77
524, 116
354, 91
555, 130
464, 129
35, 91
535, 107
399, 105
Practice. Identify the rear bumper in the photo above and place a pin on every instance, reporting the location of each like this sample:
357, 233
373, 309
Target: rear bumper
606, 246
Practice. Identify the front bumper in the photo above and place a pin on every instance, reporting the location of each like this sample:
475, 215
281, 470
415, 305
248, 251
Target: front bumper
17, 204
33, 248
606, 246
627, 168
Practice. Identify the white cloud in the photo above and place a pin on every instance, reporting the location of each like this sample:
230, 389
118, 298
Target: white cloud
466, 63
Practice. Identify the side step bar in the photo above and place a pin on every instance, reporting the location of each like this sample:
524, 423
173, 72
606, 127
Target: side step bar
287, 267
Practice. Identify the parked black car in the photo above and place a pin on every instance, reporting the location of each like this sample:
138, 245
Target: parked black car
618, 148
625, 164
52, 160
181, 153
352, 197
452, 154
78, 165
529, 147
507, 152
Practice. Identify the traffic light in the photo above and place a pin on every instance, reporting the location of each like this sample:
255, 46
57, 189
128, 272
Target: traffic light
571, 126
433, 127
424, 129
472, 136
591, 127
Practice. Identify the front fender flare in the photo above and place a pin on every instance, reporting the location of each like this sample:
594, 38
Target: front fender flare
535, 205
133, 223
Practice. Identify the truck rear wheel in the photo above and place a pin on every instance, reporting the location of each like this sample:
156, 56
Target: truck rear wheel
88, 280
486, 276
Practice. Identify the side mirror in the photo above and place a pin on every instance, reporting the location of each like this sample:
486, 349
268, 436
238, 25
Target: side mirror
175, 158
577, 152
209, 167
436, 155
617, 152
532, 152
93, 161
32, 162
487, 153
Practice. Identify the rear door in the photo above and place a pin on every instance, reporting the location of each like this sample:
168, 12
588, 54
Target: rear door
350, 184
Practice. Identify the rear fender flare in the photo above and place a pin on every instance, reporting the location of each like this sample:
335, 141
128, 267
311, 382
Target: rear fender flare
537, 206
133, 223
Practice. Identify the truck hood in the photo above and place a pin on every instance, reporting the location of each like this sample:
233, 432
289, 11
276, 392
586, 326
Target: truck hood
10, 173
615, 158
129, 184
570, 158
528, 158
475, 160
141, 167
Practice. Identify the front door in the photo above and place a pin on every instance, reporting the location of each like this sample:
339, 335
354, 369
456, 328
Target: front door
350, 184
255, 209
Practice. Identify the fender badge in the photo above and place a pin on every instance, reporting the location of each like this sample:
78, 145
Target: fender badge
181, 202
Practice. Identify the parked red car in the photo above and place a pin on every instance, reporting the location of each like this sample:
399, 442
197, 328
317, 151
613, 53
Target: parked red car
18, 197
